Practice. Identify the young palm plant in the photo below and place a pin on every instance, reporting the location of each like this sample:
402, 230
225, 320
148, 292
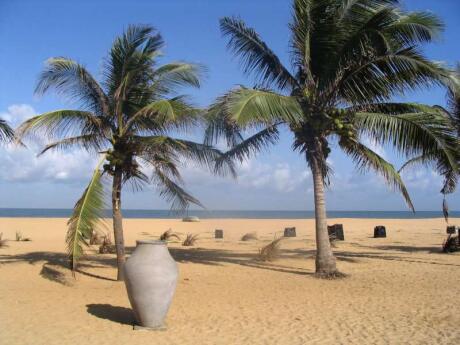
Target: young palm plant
128, 118
349, 58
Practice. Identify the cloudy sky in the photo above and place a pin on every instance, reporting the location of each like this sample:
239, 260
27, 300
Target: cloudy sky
32, 31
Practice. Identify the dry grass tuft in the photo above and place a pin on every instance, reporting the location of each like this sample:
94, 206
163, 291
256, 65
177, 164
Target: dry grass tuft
19, 237
2, 241
250, 236
271, 251
106, 246
168, 235
190, 240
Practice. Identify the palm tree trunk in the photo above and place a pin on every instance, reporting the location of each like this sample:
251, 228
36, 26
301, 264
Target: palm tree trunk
325, 260
118, 222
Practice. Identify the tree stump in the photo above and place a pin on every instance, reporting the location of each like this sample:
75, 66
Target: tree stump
380, 231
219, 233
290, 232
451, 229
336, 232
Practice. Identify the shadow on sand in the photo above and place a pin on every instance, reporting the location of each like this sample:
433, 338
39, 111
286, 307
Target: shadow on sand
121, 315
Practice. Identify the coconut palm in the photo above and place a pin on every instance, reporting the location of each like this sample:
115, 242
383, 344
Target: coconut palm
436, 160
348, 60
6, 132
129, 118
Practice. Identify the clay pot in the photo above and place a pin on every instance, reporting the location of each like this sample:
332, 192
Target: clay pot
150, 279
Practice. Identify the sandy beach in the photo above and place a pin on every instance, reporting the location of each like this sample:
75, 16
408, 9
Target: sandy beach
400, 289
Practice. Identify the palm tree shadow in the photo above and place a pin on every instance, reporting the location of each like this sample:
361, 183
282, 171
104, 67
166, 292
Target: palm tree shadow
121, 315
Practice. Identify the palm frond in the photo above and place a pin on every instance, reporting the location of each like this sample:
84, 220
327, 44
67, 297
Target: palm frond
412, 134
366, 159
250, 146
254, 54
177, 74
89, 142
61, 123
173, 192
250, 107
86, 216
6, 132
72, 80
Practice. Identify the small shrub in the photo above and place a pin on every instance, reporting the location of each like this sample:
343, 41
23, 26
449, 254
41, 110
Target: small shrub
19, 237
168, 235
96, 238
190, 240
107, 247
270, 251
2, 241
250, 236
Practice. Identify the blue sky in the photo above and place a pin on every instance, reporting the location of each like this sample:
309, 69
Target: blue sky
32, 31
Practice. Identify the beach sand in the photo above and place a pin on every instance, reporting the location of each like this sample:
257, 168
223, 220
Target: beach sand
400, 289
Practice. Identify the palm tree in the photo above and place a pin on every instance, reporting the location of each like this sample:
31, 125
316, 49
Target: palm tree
436, 159
6, 132
349, 58
128, 118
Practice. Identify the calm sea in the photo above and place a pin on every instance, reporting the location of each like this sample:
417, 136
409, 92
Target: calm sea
65, 213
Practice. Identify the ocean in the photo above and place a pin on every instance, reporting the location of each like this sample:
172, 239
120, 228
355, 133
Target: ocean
209, 214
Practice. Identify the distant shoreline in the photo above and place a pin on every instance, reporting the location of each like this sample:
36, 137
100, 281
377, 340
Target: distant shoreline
229, 214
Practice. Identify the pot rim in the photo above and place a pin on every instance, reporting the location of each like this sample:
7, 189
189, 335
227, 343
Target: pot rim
154, 242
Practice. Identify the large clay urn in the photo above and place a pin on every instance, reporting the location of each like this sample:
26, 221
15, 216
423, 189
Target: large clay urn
150, 278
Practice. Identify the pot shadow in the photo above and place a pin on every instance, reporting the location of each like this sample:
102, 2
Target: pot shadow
121, 315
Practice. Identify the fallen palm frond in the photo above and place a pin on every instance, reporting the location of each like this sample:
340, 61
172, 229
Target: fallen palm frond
190, 240
2, 241
270, 251
168, 235
250, 236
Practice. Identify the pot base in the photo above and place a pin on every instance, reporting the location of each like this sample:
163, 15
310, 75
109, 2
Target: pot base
142, 328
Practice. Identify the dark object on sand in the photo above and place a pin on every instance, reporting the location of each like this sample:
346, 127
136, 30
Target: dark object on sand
380, 231
106, 246
289, 232
336, 232
451, 244
219, 233
451, 229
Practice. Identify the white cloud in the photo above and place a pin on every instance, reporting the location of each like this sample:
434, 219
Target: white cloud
22, 164
17, 113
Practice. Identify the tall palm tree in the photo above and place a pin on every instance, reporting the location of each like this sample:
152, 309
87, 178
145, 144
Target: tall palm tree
434, 158
6, 132
128, 118
348, 59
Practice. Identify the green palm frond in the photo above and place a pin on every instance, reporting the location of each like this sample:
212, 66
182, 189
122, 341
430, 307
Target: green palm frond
412, 134
366, 159
250, 107
85, 218
90, 142
177, 74
61, 123
173, 192
254, 54
73, 81
6, 132
249, 146
164, 114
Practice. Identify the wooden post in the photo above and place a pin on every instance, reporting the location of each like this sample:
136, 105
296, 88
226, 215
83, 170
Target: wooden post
219, 233
336, 231
289, 232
